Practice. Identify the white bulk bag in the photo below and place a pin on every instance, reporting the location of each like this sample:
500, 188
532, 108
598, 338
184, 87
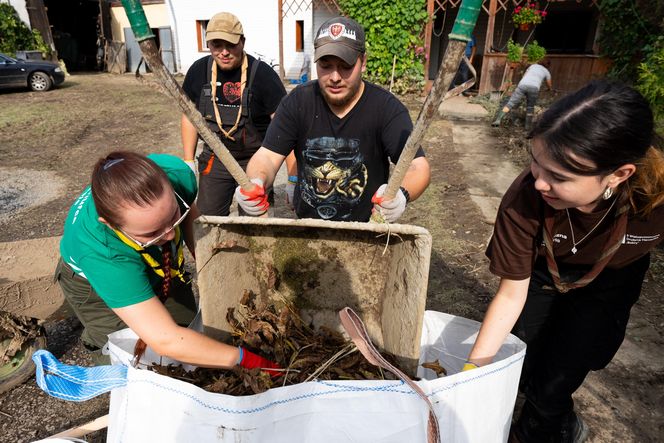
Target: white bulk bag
472, 406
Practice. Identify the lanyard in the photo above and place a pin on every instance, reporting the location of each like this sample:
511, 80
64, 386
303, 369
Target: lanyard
154, 264
243, 82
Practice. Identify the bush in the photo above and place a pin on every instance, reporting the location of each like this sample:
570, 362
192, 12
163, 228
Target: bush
514, 52
535, 52
628, 32
16, 36
650, 81
392, 27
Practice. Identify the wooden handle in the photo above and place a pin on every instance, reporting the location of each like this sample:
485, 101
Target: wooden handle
146, 42
461, 34
446, 73
84, 429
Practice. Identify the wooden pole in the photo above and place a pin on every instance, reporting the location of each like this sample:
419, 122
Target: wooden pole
280, 12
394, 65
446, 73
485, 76
84, 429
428, 29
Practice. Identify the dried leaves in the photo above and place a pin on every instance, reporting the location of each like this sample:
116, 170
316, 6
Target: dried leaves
436, 367
282, 336
16, 330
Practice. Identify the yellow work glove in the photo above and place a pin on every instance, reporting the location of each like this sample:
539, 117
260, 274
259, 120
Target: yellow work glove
469, 366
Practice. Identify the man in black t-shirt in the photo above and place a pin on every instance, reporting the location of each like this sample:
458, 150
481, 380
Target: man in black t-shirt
246, 92
344, 132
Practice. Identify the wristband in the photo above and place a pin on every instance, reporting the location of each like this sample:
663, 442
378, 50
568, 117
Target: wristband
405, 193
292, 179
240, 355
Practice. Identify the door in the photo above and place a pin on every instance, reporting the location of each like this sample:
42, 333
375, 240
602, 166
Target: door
12, 72
134, 55
166, 48
163, 40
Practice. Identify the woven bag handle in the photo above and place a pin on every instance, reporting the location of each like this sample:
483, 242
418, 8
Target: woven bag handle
358, 333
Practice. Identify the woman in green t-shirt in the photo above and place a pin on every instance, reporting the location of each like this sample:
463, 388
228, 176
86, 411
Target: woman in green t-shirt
122, 260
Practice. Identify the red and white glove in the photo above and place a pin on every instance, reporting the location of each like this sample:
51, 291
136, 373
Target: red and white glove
253, 202
392, 209
249, 360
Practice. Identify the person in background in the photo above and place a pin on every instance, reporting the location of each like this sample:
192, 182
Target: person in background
122, 260
571, 245
528, 88
237, 95
344, 132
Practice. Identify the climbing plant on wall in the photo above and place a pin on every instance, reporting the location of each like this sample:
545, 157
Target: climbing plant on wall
632, 36
392, 28
629, 31
15, 35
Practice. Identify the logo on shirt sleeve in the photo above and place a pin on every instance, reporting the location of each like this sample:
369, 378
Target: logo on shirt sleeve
631, 239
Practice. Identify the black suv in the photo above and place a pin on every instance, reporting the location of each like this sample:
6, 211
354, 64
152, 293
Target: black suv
38, 75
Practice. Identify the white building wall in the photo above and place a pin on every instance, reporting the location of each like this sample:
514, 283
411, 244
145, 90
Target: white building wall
19, 5
293, 60
258, 17
157, 16
320, 16
313, 18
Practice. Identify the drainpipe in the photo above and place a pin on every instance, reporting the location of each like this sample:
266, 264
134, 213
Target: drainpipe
176, 41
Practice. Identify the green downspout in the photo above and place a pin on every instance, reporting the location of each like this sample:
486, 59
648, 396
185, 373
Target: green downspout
137, 19
465, 20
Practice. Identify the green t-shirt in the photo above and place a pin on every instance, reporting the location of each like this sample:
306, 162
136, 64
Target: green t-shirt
117, 272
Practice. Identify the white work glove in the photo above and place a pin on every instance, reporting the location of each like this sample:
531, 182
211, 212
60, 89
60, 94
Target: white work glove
391, 210
290, 191
192, 165
253, 202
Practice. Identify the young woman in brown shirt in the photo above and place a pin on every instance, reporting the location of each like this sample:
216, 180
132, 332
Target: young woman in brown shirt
571, 244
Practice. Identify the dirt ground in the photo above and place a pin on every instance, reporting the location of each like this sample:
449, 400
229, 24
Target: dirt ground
51, 141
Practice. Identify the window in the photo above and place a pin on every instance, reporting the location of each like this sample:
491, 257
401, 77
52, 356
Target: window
201, 26
578, 36
299, 35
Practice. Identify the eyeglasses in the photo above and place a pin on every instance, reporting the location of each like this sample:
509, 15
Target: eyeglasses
167, 231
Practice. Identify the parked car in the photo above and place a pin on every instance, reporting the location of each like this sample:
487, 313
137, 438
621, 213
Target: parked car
37, 75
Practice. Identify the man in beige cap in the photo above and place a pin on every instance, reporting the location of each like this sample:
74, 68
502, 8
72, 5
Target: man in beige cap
344, 132
237, 95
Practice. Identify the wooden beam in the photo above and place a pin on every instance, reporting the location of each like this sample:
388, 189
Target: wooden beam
280, 12
488, 46
427, 45
39, 20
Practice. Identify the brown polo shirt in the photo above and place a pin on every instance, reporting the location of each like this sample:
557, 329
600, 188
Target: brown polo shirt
517, 236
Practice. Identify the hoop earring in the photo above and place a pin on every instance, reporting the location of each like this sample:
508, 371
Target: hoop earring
607, 193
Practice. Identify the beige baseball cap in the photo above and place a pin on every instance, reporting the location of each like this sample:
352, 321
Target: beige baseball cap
224, 26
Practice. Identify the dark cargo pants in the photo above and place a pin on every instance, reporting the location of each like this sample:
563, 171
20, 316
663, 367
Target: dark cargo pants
568, 335
99, 320
216, 186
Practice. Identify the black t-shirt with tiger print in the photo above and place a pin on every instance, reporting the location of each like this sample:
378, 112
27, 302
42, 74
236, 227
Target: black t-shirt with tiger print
341, 162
